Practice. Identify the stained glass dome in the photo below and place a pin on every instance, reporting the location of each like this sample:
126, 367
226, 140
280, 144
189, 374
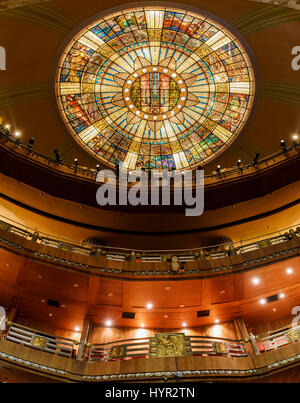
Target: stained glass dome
155, 87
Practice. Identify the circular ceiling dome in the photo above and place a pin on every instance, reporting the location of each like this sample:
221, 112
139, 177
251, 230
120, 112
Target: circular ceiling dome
155, 87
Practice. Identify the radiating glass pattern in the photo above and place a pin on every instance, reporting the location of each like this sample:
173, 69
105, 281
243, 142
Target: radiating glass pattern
155, 88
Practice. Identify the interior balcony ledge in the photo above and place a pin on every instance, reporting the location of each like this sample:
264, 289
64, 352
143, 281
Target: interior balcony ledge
215, 369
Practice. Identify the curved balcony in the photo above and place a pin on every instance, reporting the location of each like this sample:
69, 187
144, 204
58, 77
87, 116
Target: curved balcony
59, 179
163, 357
219, 259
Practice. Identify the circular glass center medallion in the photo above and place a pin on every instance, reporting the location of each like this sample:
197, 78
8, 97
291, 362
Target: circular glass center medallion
156, 87
153, 93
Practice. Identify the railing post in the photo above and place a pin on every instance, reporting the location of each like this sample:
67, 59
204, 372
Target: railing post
254, 344
81, 350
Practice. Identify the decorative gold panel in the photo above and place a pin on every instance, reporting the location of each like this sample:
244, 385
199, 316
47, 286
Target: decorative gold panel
117, 352
294, 335
169, 345
39, 342
221, 348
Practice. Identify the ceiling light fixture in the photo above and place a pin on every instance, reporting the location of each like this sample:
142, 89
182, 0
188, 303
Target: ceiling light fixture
255, 281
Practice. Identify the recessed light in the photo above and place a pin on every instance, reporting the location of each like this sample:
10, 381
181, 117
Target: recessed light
77, 329
108, 323
166, 316
110, 294
149, 305
168, 288
43, 300
76, 285
274, 309
289, 271
217, 321
181, 306
142, 325
50, 314
282, 295
40, 277
255, 280
184, 324
7, 127
262, 301
295, 137
17, 134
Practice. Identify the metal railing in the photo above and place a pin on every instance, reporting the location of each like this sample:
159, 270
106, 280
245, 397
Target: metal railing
143, 347
40, 340
201, 345
220, 251
5, 136
278, 338
125, 349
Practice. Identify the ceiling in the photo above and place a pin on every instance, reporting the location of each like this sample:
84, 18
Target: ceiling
27, 96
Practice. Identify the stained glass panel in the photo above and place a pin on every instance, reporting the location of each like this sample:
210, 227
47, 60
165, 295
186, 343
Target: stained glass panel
155, 88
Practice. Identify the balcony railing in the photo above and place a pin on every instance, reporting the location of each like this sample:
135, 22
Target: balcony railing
40, 340
161, 345
5, 136
278, 338
150, 256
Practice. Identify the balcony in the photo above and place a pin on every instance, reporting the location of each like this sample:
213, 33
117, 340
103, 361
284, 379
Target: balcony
163, 357
215, 260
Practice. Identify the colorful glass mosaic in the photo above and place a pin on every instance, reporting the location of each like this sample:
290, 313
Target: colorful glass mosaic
155, 88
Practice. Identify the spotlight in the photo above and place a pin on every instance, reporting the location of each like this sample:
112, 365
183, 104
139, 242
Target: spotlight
255, 159
239, 163
17, 134
295, 140
76, 164
283, 146
98, 168
57, 156
218, 169
31, 143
